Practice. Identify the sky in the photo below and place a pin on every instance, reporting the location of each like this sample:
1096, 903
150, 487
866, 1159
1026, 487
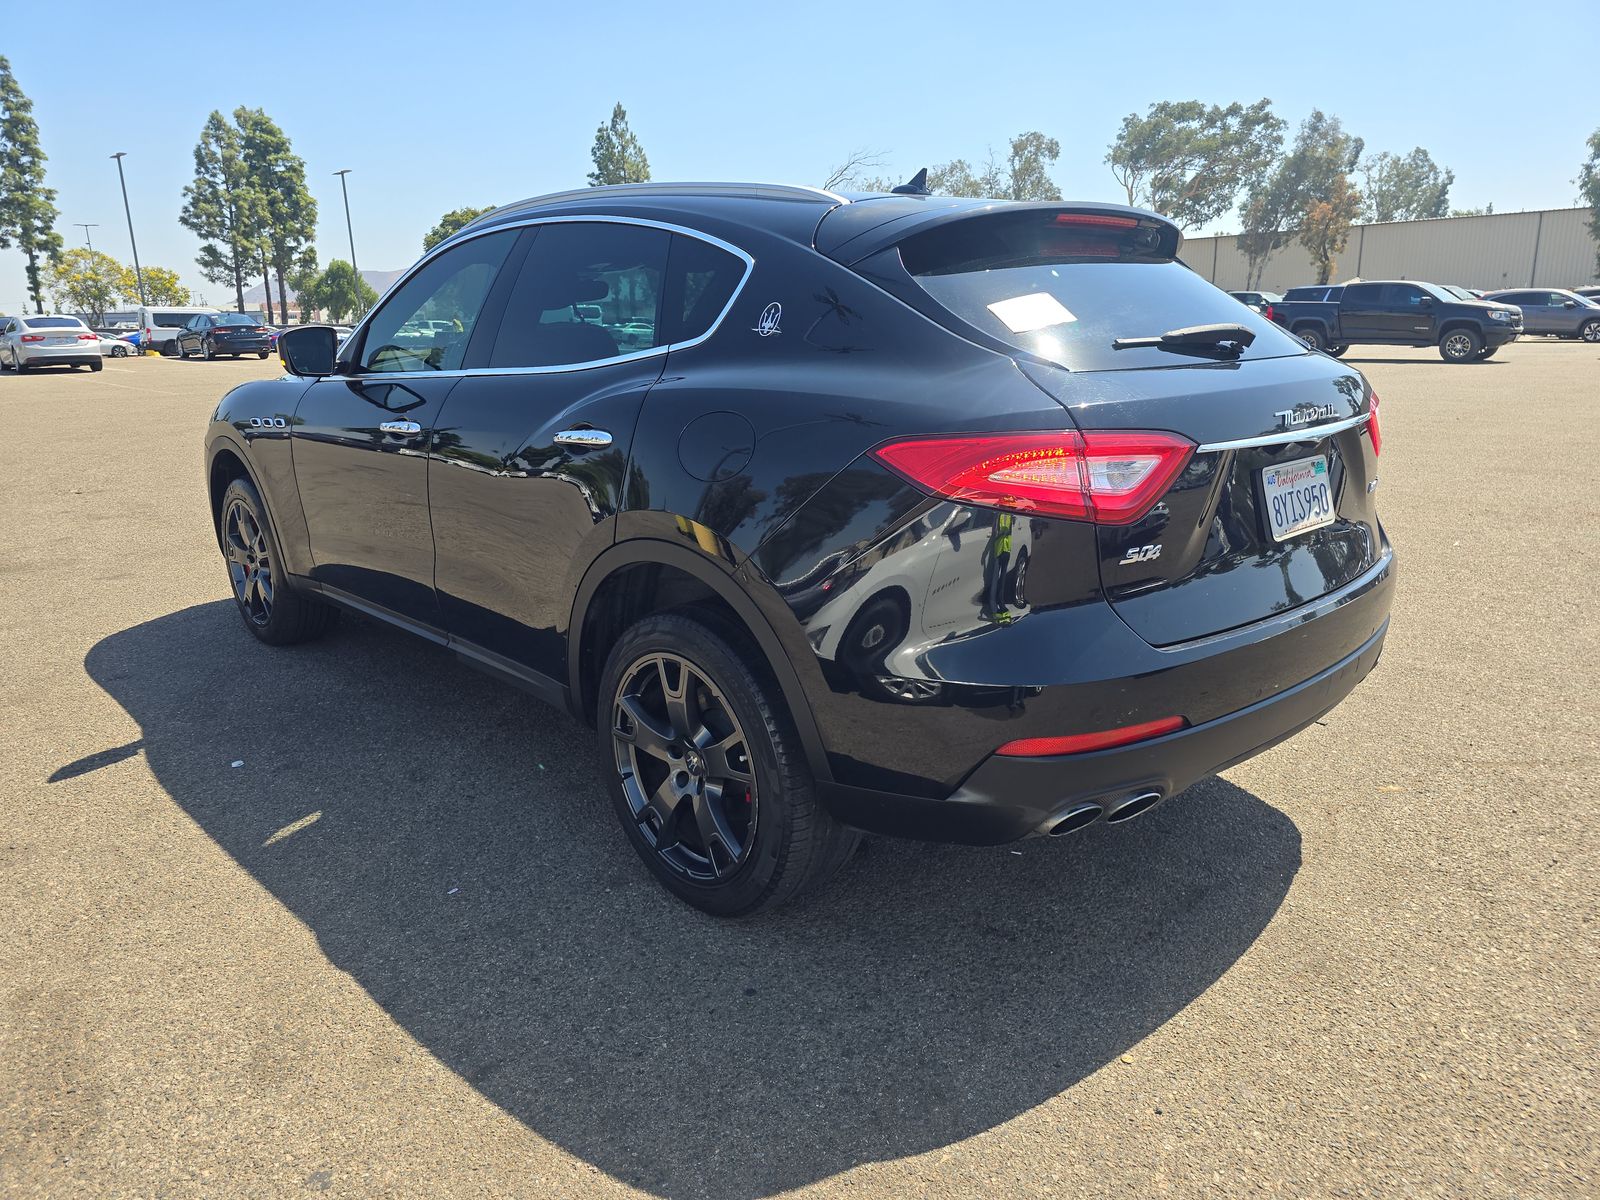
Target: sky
433, 106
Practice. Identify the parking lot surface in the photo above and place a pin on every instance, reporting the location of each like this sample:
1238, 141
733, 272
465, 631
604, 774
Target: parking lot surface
352, 919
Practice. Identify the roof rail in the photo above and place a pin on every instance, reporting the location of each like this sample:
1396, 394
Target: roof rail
770, 191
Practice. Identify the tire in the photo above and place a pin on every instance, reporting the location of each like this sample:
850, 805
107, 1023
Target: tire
726, 855
1310, 335
273, 610
205, 349
119, 352
1459, 345
1486, 353
178, 349
20, 367
97, 365
1336, 351
1590, 332
261, 354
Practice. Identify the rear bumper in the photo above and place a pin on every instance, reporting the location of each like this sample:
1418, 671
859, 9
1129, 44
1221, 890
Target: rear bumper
45, 356
241, 346
1005, 798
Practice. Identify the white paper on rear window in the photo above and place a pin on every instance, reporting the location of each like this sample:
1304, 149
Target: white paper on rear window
1037, 310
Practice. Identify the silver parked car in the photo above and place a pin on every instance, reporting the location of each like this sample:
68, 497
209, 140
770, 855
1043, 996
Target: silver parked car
1550, 310
48, 339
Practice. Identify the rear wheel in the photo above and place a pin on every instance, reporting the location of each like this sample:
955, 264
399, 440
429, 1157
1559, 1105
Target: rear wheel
1336, 351
1486, 353
1590, 331
1310, 336
706, 772
261, 354
1460, 345
205, 349
272, 608
97, 365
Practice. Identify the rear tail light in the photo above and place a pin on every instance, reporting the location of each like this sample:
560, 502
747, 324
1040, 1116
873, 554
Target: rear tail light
33, 337
1271, 316
1372, 425
1082, 743
88, 337
1113, 477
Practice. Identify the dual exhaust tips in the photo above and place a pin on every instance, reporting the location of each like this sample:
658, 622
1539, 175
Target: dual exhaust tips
1081, 816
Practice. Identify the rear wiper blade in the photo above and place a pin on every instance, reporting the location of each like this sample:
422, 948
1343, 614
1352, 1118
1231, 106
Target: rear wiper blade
1223, 338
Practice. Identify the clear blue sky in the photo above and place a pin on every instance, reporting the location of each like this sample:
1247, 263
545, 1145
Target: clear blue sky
433, 106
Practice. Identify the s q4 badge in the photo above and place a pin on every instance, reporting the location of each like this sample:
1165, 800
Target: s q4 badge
770, 316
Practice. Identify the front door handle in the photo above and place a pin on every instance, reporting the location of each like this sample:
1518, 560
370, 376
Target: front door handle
590, 439
406, 427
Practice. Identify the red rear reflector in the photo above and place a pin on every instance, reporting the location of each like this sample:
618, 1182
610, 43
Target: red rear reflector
1113, 477
1101, 219
1372, 425
1081, 743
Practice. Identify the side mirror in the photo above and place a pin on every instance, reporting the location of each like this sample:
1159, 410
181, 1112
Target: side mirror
1427, 302
308, 350
1570, 304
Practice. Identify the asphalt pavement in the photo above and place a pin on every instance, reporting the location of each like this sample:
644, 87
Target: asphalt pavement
352, 919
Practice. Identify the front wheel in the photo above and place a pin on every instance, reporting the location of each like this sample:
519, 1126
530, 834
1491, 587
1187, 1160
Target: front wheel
119, 352
261, 354
706, 772
1590, 331
1460, 346
1486, 353
179, 350
272, 608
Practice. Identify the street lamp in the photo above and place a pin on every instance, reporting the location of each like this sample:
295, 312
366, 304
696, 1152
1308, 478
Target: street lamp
351, 232
138, 274
86, 228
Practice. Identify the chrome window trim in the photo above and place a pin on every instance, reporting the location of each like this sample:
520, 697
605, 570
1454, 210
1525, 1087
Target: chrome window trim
571, 219
1310, 433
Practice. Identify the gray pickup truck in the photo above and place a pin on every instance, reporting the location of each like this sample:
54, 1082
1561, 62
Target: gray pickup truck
1402, 313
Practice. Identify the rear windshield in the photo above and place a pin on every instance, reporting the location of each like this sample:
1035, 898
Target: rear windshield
52, 322
1063, 290
237, 319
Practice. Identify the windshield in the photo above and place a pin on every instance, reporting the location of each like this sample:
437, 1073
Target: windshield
237, 319
1459, 293
1066, 293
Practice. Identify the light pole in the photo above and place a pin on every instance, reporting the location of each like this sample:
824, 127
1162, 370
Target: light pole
138, 273
86, 228
351, 232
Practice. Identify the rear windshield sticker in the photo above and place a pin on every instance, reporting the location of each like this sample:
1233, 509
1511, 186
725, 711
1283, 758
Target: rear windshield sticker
1024, 314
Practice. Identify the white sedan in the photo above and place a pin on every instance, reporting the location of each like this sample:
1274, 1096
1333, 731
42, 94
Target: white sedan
48, 339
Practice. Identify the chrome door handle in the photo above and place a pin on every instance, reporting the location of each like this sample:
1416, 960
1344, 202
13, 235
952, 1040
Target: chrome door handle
400, 427
590, 439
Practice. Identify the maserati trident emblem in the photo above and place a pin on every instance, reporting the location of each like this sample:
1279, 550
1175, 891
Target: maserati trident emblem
1304, 414
770, 316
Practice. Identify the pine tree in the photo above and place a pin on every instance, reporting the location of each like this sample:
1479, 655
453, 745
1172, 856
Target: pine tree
27, 207
222, 208
278, 176
618, 156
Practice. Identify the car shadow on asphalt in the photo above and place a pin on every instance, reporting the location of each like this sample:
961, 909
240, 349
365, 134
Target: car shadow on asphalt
445, 838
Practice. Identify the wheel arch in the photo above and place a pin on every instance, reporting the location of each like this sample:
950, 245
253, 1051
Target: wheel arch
226, 460
604, 605
1471, 326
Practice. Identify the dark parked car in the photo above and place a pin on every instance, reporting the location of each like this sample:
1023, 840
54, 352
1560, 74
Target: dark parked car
921, 515
1553, 311
208, 336
1402, 313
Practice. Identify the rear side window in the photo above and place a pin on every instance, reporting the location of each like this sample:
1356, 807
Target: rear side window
1361, 294
701, 280
53, 323
588, 291
1064, 286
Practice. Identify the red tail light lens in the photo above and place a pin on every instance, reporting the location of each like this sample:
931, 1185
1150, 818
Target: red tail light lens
1372, 426
1271, 316
1082, 743
88, 337
1113, 477
33, 337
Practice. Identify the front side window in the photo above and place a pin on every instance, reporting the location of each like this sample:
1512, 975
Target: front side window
426, 324
587, 292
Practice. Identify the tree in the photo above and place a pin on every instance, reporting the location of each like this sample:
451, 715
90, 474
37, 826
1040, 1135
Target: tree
1483, 211
222, 209
1032, 154
27, 207
851, 172
1325, 231
450, 222
277, 175
161, 286
618, 156
85, 281
1273, 212
1412, 188
1190, 162
957, 178
339, 291
1588, 188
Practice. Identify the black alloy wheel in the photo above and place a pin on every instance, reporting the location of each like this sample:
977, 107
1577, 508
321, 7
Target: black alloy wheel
684, 763
249, 562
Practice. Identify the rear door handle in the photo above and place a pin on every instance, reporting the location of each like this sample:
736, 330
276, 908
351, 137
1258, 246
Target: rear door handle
592, 439
400, 427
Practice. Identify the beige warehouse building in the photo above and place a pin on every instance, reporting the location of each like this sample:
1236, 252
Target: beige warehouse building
1548, 248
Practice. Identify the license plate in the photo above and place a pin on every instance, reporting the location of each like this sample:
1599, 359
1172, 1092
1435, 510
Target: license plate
61, 341
1297, 497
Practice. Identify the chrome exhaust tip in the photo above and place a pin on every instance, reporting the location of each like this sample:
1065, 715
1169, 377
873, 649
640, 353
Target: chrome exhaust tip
1127, 810
1073, 820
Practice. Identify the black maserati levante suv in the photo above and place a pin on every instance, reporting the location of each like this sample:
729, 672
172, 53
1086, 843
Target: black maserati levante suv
942, 518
